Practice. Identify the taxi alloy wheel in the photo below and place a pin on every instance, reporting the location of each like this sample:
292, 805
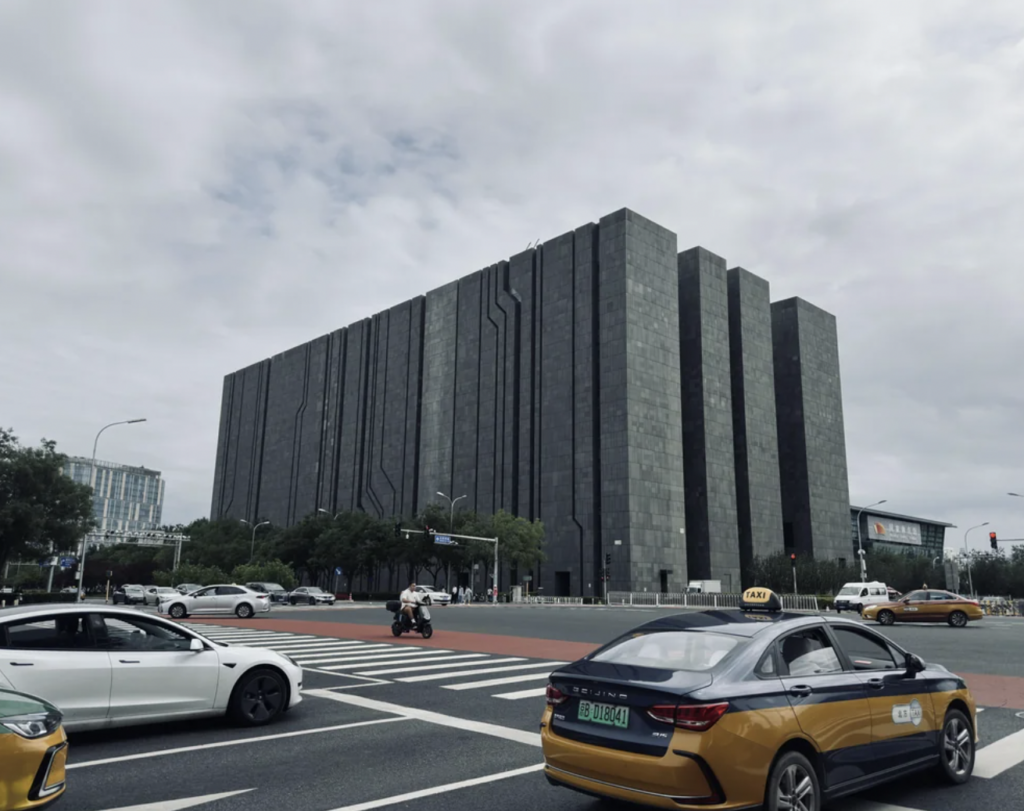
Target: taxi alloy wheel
957, 748
886, 617
793, 785
958, 619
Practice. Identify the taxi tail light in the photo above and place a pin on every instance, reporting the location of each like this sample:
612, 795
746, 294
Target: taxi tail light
695, 717
555, 696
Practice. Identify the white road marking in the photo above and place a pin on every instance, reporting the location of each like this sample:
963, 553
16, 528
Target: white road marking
410, 662
1000, 756
429, 792
359, 656
483, 656
179, 805
454, 674
505, 733
868, 805
533, 692
314, 650
376, 650
476, 685
311, 645
236, 742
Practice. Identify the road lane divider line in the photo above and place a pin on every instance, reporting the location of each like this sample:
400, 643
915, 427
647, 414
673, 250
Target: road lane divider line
236, 742
429, 792
477, 685
481, 656
533, 692
182, 804
999, 756
465, 724
458, 674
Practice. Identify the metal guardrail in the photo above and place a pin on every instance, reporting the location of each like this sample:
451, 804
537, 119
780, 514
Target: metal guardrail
790, 602
551, 600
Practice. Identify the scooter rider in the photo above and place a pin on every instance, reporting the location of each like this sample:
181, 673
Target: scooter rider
410, 602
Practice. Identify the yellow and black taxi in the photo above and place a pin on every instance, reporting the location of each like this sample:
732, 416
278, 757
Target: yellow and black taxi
33, 752
926, 605
731, 709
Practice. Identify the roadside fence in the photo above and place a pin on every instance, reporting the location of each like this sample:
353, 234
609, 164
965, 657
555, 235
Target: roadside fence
790, 602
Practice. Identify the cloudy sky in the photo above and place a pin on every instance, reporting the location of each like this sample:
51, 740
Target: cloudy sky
189, 187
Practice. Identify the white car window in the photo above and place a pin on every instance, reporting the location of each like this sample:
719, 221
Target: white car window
63, 632
138, 634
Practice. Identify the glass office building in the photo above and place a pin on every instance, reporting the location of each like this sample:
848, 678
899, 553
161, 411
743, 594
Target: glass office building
893, 532
125, 498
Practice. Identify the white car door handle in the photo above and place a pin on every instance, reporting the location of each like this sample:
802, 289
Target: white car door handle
129, 661
22, 664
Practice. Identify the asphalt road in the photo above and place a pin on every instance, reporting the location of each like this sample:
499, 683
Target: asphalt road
465, 732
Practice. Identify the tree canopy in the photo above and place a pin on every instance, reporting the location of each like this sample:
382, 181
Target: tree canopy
39, 505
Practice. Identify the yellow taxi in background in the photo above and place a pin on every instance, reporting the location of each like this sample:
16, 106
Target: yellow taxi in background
926, 605
33, 752
751, 708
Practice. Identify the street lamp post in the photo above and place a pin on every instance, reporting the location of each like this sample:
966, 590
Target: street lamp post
970, 579
252, 546
92, 473
860, 542
451, 528
328, 512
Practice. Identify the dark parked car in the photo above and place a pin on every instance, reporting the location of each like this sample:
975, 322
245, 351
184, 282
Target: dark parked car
128, 595
277, 592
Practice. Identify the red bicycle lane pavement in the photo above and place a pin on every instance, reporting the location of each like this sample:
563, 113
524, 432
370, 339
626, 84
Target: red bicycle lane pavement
989, 691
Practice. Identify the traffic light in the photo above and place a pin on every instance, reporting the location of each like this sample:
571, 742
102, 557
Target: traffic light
429, 530
792, 560
608, 559
398, 528
993, 541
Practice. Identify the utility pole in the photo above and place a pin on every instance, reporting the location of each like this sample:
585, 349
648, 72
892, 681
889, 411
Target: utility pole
967, 555
451, 528
252, 546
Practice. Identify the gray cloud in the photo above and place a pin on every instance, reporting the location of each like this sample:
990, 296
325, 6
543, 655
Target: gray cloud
193, 188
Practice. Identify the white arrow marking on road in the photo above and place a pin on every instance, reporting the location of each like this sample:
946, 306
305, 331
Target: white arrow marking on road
178, 805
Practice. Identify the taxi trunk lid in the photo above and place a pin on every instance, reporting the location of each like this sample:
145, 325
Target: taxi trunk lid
607, 704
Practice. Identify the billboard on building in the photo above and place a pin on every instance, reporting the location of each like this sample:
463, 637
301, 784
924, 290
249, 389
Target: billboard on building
893, 530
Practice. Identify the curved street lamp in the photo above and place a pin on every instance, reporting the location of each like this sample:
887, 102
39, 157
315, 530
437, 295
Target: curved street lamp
92, 473
860, 543
252, 546
970, 578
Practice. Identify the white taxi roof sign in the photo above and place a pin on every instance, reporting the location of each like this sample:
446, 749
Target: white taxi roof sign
759, 598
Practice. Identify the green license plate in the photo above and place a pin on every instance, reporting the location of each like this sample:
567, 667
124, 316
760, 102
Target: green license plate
607, 714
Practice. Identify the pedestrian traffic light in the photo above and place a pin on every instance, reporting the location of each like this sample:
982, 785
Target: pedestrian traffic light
608, 559
792, 559
993, 540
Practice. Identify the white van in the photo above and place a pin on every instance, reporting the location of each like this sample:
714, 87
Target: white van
854, 596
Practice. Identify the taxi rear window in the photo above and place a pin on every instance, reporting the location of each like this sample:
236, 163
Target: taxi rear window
671, 650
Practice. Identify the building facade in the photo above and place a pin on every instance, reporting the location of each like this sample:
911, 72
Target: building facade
892, 532
603, 382
125, 498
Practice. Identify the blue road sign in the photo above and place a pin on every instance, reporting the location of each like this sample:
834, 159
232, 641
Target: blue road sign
337, 571
67, 563
444, 539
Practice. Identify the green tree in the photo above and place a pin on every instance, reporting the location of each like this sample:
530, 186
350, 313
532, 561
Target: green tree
39, 505
272, 571
223, 544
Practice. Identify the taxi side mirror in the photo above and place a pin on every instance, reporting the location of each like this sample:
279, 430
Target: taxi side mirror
905, 601
914, 663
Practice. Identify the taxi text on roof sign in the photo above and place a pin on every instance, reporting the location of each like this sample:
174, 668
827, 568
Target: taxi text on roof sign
760, 599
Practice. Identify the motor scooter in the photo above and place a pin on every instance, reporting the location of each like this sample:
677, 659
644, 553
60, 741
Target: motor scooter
400, 623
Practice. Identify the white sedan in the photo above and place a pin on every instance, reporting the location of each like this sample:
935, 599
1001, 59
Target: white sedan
107, 666
436, 597
223, 599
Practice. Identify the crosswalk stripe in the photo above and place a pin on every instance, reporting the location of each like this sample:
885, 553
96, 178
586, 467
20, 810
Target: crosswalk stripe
459, 673
310, 646
409, 663
533, 692
483, 656
476, 685
375, 651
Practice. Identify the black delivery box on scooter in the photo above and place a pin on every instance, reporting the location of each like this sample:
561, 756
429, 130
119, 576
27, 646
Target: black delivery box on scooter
394, 606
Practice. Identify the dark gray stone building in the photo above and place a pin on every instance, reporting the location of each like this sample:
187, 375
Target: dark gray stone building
602, 382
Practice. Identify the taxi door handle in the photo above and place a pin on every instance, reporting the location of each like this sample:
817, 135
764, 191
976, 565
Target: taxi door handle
800, 690
877, 684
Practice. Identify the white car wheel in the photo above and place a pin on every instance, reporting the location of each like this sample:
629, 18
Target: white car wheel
259, 697
244, 611
178, 612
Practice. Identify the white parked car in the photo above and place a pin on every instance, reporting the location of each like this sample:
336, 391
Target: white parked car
436, 597
158, 594
220, 599
107, 666
311, 595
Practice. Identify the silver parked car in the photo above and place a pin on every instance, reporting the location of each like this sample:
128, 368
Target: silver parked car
220, 599
311, 595
157, 594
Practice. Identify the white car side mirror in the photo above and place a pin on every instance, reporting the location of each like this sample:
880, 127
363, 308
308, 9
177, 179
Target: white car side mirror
196, 645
